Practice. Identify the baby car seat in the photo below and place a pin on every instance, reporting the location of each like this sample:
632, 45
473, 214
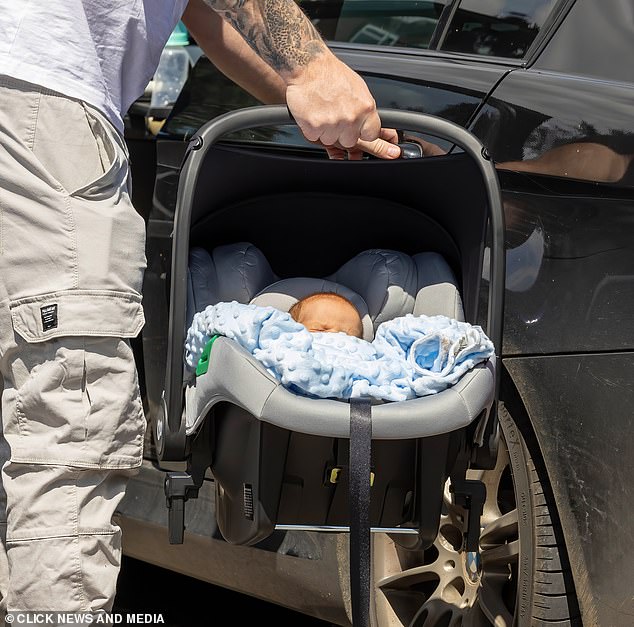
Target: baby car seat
280, 459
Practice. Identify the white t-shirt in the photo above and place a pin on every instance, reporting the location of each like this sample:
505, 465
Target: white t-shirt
103, 52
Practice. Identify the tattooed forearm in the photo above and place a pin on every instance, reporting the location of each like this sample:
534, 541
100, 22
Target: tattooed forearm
276, 29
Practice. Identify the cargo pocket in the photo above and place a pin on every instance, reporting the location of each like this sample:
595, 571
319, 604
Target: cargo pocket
72, 313
51, 408
75, 402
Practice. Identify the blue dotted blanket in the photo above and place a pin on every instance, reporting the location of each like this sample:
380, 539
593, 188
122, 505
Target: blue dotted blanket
410, 356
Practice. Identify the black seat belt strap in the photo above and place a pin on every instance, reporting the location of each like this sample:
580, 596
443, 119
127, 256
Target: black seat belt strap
359, 500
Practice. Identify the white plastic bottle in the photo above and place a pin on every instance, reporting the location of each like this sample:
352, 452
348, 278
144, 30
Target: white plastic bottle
172, 70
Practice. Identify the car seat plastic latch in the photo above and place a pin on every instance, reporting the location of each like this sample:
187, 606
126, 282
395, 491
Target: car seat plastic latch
179, 486
203, 362
333, 475
470, 494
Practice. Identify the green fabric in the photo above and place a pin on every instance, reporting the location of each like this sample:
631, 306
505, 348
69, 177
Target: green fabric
203, 363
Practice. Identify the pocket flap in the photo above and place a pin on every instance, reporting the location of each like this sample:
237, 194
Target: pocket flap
77, 313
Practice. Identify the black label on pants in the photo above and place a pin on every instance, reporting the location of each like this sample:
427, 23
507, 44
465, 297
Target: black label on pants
49, 317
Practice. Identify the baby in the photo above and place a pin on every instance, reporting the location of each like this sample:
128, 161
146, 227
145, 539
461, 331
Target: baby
327, 312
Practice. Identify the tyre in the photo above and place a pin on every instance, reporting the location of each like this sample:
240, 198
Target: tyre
522, 579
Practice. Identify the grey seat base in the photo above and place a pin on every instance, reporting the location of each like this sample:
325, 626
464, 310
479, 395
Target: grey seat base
268, 476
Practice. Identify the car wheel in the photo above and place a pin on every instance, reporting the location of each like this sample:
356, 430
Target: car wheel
521, 577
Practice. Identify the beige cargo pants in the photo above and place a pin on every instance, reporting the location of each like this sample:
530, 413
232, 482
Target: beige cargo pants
71, 266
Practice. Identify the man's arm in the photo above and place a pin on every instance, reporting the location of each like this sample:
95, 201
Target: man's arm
270, 48
230, 53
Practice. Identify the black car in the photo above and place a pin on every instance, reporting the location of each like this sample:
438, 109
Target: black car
547, 87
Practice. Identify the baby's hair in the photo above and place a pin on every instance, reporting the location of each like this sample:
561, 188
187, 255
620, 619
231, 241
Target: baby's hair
296, 309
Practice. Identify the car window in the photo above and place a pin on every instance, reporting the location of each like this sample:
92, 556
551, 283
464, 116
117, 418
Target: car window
402, 23
499, 28
209, 93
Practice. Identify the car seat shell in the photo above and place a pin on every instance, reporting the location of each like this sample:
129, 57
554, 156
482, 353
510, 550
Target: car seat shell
271, 452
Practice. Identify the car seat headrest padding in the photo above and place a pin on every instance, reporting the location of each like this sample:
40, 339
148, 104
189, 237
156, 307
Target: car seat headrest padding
437, 292
203, 280
382, 284
283, 294
232, 272
386, 279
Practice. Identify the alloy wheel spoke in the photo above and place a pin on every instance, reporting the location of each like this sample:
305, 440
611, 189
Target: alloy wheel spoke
503, 554
410, 578
431, 612
441, 592
491, 603
500, 530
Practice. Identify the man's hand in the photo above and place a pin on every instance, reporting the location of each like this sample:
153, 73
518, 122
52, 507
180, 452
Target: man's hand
384, 147
332, 104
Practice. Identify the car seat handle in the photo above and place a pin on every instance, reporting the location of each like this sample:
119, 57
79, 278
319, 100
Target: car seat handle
172, 431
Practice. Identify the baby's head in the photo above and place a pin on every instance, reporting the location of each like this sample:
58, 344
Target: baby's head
329, 312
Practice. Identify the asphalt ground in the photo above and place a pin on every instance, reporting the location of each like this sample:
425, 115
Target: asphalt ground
161, 597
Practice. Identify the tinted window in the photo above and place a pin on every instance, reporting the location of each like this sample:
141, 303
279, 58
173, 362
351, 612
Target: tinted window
499, 28
594, 40
403, 23
208, 93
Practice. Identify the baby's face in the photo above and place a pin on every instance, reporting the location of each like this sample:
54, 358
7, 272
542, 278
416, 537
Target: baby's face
331, 316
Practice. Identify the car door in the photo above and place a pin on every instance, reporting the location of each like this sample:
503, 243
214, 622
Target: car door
560, 129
